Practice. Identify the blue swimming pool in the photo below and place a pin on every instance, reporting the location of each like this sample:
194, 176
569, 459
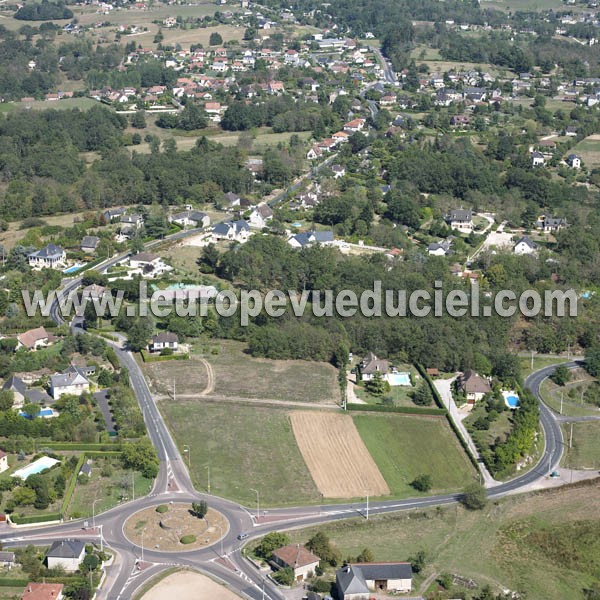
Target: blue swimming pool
511, 399
73, 269
45, 412
402, 378
41, 464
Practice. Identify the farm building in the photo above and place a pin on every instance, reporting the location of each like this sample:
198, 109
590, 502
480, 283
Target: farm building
359, 581
298, 558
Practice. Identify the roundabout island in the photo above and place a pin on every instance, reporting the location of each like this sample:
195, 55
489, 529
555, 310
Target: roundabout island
175, 527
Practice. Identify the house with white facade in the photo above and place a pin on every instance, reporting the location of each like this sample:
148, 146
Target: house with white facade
260, 216
67, 554
70, 382
297, 557
460, 219
190, 218
525, 246
49, 257
361, 580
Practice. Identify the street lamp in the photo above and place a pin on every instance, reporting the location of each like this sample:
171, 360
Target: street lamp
221, 534
143, 530
186, 450
94, 512
208, 483
257, 503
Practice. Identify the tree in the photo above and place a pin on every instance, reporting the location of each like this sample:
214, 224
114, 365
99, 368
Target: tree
31, 409
561, 375
6, 399
138, 121
199, 509
592, 360
23, 496
320, 545
376, 385
422, 395
284, 576
138, 334
366, 556
270, 543
422, 482
417, 562
192, 117
358, 141
215, 39
474, 497
209, 259
141, 456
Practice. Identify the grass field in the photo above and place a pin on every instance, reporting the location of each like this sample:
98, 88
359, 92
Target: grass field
551, 394
545, 545
404, 447
237, 374
589, 150
10, 593
66, 104
585, 453
539, 362
524, 5
247, 447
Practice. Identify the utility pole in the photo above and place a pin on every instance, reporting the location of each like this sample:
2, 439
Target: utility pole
571, 437
208, 476
133, 485
561, 402
173, 389
532, 360
257, 503
367, 506
101, 540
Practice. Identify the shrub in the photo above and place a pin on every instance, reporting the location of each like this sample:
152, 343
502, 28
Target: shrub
188, 539
422, 483
474, 497
284, 576
163, 508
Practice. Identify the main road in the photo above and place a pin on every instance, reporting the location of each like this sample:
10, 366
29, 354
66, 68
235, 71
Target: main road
173, 484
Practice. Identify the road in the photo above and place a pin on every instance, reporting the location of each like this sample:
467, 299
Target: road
173, 483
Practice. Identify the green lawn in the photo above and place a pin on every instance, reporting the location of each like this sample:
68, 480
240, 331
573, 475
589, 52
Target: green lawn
107, 490
406, 446
571, 407
589, 150
545, 545
539, 362
246, 447
585, 452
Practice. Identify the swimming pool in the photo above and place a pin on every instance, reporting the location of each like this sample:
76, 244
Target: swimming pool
45, 462
73, 269
402, 378
45, 412
511, 399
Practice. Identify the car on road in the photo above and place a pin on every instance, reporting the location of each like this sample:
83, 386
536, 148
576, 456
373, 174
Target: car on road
243, 536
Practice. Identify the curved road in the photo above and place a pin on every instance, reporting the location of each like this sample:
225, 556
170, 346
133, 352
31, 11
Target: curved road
173, 483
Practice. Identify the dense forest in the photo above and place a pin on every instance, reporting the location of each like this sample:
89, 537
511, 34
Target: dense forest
44, 11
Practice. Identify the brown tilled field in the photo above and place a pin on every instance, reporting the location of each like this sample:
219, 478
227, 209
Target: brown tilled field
336, 456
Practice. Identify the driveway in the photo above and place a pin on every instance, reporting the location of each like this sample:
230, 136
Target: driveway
444, 387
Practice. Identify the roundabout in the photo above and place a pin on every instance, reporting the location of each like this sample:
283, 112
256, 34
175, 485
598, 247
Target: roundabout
173, 527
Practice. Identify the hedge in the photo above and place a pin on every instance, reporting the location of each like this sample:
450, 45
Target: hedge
5, 582
71, 488
434, 390
76, 446
407, 410
188, 539
147, 357
28, 519
162, 509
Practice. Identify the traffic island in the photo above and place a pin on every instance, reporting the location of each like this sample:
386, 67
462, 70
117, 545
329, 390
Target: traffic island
175, 529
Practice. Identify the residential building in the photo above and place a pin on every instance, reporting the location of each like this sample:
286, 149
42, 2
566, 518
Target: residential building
3, 467
309, 238
164, 340
43, 591
338, 171
49, 257
370, 365
34, 339
7, 559
359, 581
439, 248
236, 231
525, 246
574, 161
65, 553
148, 262
460, 219
537, 159
113, 214
260, 216
89, 243
355, 125
22, 395
297, 557
134, 221
190, 218
546, 223
93, 291
473, 386
69, 382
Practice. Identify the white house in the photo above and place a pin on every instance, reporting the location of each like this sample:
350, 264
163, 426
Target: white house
460, 219
546, 223
50, 257
161, 341
65, 553
439, 248
370, 365
355, 125
309, 238
70, 382
359, 581
260, 216
150, 264
235, 231
89, 243
537, 159
525, 246
574, 161
298, 558
32, 339
474, 386
135, 221
190, 218
3, 461
338, 171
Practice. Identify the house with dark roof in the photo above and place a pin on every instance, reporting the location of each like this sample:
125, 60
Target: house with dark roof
65, 553
113, 214
537, 159
546, 223
235, 231
439, 248
69, 382
358, 581
89, 243
260, 216
574, 161
163, 340
7, 559
309, 238
49, 257
370, 365
296, 557
3, 467
474, 386
460, 219
525, 245
190, 218
22, 395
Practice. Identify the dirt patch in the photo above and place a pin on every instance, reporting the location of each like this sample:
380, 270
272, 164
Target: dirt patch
187, 585
162, 531
336, 456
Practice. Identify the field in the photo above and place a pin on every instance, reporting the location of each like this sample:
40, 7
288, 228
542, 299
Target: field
539, 362
589, 150
545, 545
337, 458
524, 5
404, 447
585, 453
247, 447
188, 585
572, 402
